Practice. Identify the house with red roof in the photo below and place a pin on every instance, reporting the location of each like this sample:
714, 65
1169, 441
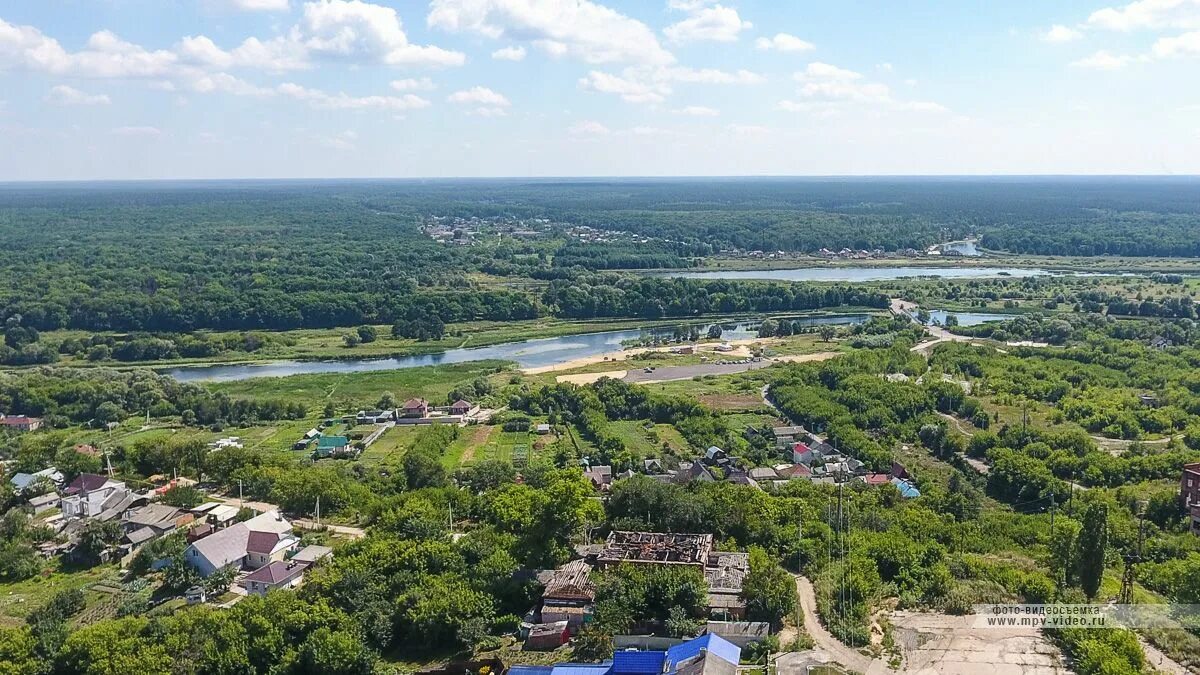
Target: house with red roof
20, 422
278, 574
415, 408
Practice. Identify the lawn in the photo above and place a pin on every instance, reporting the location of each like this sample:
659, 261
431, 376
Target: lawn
353, 391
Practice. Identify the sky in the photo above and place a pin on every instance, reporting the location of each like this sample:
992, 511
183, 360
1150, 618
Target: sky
165, 89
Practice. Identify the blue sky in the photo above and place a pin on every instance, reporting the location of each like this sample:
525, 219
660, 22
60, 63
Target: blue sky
114, 89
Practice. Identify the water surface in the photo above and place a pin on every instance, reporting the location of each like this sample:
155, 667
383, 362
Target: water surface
527, 353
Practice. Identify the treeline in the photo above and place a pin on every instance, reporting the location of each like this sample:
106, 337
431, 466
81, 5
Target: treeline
100, 396
658, 297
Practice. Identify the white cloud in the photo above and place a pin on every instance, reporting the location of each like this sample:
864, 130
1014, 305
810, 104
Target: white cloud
1148, 14
138, 132
712, 24
349, 28
1059, 33
783, 42
413, 84
707, 76
828, 87
629, 89
275, 55
509, 53
583, 29
1187, 44
257, 5
342, 101
344, 141
697, 111
648, 131
653, 85
748, 130
226, 84
1103, 60
64, 95
689, 5
104, 56
479, 95
489, 111
588, 127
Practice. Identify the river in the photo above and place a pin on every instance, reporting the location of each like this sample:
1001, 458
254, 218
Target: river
527, 354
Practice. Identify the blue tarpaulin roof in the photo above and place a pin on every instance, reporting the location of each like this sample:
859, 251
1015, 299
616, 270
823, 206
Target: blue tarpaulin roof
907, 489
530, 670
713, 644
638, 663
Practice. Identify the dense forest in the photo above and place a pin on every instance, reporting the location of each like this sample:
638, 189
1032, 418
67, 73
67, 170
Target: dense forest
280, 255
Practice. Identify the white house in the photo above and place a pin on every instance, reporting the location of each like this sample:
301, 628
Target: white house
90, 494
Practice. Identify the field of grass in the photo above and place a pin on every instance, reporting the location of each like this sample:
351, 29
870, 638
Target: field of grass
353, 391
22, 597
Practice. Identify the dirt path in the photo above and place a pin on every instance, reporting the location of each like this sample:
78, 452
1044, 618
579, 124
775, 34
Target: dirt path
957, 424
1161, 661
343, 530
478, 438
848, 657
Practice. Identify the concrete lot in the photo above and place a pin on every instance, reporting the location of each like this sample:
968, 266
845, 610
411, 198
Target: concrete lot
941, 643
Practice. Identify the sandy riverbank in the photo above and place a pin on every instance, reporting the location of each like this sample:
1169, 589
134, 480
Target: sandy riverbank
741, 351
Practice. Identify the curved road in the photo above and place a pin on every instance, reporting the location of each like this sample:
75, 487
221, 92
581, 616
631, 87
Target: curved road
825, 641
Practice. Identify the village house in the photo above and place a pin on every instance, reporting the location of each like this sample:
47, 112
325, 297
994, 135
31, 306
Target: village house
569, 594
234, 546
415, 408
1189, 494
25, 482
725, 572
152, 521
1189, 484
20, 422
785, 436
332, 446
601, 476
94, 496
708, 654
276, 575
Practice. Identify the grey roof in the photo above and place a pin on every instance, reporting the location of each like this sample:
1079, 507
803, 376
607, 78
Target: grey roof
229, 545
141, 535
763, 473
750, 629
311, 554
153, 514
788, 431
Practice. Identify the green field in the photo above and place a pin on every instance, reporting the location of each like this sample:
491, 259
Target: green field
352, 391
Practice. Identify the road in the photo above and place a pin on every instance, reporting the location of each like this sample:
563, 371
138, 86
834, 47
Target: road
825, 641
343, 530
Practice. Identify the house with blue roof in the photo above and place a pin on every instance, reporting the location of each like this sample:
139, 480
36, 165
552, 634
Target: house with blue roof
907, 489
705, 655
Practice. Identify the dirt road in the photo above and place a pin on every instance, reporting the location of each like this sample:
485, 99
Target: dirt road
824, 640
343, 530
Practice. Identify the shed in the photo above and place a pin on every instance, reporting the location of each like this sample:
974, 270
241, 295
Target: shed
547, 636
740, 633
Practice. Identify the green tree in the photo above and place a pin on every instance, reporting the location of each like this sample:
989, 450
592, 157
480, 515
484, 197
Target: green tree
1093, 542
769, 591
97, 537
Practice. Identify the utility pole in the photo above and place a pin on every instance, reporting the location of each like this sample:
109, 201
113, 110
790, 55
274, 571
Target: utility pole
1126, 596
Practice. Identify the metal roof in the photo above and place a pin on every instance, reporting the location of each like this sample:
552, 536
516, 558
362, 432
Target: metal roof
634, 662
715, 645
